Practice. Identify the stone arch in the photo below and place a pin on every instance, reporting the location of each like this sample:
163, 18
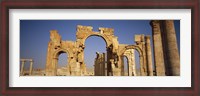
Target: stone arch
125, 58
106, 40
131, 62
55, 58
60, 51
104, 37
84, 32
132, 47
137, 48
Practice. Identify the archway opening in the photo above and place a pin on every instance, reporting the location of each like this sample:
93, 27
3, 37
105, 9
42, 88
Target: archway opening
94, 45
131, 62
62, 63
126, 66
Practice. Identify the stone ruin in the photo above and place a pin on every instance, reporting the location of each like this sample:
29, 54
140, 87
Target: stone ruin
166, 56
22, 71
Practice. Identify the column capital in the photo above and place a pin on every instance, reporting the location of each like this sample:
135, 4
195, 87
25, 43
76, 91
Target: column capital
154, 22
148, 37
31, 61
22, 60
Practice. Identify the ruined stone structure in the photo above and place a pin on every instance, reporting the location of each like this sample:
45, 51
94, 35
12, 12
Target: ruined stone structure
100, 65
22, 72
165, 52
130, 55
167, 60
75, 50
143, 48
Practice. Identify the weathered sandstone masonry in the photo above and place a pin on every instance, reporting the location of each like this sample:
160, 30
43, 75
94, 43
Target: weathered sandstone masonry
22, 66
111, 63
166, 56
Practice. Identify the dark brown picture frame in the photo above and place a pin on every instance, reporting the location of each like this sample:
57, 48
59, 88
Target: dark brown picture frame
100, 4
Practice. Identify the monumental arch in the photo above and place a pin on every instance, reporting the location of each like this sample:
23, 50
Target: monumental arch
125, 48
131, 62
83, 32
164, 41
75, 49
56, 46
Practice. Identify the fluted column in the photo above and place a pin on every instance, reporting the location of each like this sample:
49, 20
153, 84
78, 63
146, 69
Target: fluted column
149, 56
173, 58
158, 49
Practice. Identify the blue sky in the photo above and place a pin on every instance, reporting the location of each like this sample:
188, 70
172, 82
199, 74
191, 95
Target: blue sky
34, 36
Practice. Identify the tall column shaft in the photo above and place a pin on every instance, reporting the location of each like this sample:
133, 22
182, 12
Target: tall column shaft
144, 55
103, 62
100, 66
158, 49
130, 64
173, 58
109, 68
54, 67
149, 56
31, 68
133, 67
22, 68
97, 67
121, 66
141, 66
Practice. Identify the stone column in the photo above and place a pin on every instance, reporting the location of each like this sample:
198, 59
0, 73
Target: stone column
144, 54
158, 49
78, 69
142, 73
83, 68
115, 70
173, 58
101, 65
133, 65
54, 67
122, 65
130, 63
149, 56
97, 66
31, 67
103, 62
22, 68
109, 55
